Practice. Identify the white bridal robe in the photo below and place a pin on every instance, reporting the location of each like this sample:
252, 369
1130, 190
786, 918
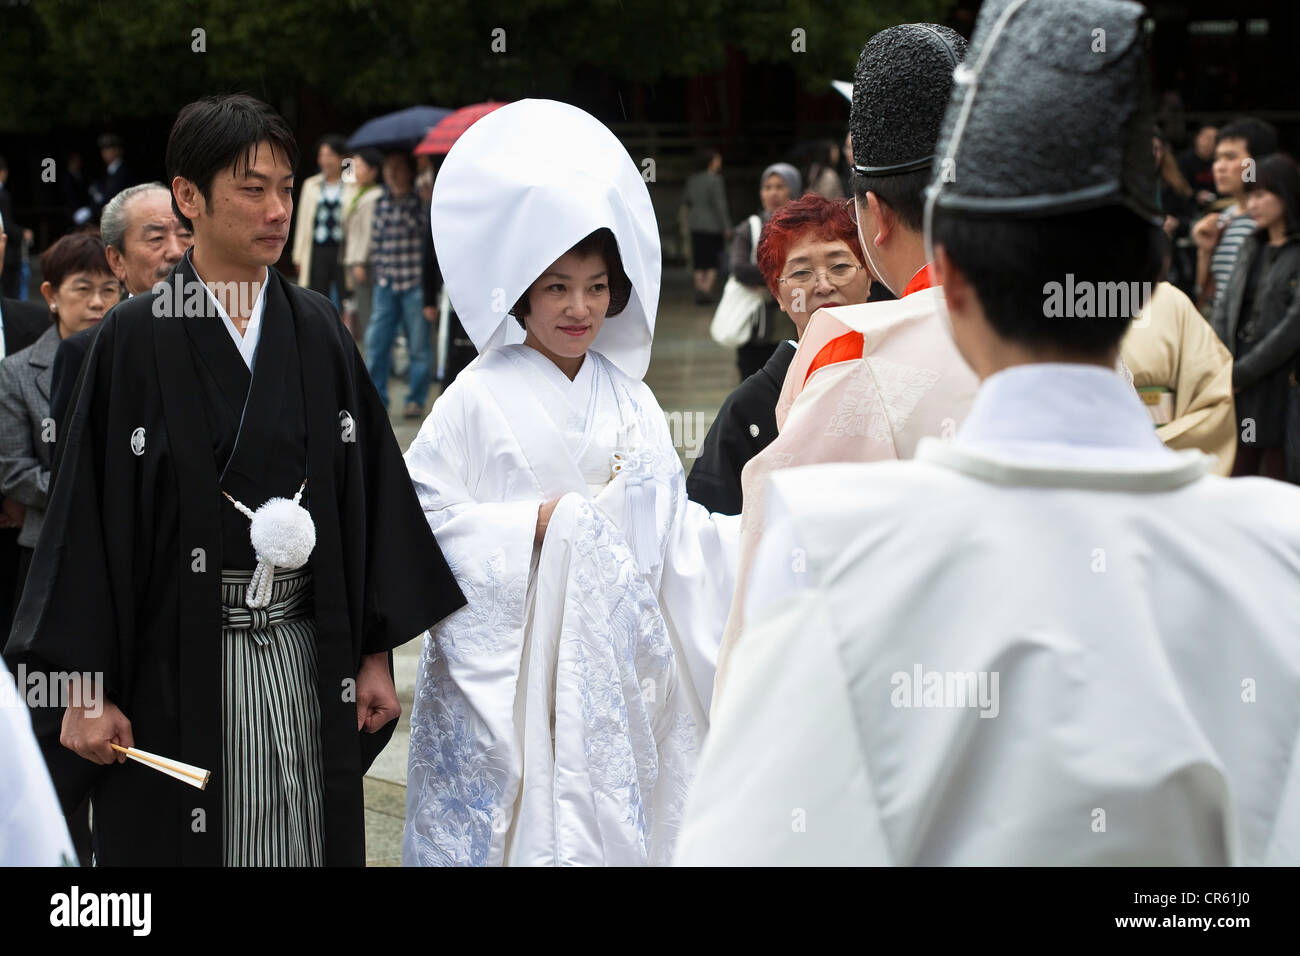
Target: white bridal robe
558, 716
1141, 619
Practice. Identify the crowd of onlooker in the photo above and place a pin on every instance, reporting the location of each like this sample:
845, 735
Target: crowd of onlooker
720, 245
1230, 206
1231, 202
1236, 195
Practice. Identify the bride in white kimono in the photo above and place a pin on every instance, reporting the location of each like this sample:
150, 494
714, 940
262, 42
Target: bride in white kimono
557, 717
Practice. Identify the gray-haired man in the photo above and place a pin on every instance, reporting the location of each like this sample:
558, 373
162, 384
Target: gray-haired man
145, 240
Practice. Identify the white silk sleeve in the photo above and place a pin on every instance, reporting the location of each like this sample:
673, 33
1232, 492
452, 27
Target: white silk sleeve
699, 570
488, 544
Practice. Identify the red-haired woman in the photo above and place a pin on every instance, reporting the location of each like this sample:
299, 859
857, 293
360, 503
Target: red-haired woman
809, 256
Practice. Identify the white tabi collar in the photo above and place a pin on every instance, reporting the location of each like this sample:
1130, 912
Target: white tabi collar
246, 343
1063, 425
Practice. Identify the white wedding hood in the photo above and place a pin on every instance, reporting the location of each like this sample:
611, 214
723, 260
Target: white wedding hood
520, 188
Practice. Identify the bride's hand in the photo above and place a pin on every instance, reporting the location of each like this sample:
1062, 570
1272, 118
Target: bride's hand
543, 519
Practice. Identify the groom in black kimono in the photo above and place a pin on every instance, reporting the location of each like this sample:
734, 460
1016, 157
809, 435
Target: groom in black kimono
238, 383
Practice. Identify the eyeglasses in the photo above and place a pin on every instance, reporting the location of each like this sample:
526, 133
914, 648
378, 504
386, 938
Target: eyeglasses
80, 290
837, 275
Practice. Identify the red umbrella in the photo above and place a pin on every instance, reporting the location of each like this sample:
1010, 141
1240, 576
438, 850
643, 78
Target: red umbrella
438, 141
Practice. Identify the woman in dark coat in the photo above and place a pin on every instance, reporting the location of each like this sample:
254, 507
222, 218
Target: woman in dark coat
1258, 319
779, 184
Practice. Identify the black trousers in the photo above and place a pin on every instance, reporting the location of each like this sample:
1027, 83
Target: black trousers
327, 270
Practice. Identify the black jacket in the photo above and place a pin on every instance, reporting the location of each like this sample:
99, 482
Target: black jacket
1264, 359
746, 424
24, 323
68, 359
108, 186
14, 233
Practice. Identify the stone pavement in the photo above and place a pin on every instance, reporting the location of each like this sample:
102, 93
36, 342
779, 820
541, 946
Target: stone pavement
690, 376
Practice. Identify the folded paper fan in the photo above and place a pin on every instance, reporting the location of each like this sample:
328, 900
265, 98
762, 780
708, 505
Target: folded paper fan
184, 772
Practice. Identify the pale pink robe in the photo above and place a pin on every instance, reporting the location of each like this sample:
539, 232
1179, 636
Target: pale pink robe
909, 383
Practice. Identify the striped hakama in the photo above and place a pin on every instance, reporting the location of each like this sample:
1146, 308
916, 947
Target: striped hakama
273, 780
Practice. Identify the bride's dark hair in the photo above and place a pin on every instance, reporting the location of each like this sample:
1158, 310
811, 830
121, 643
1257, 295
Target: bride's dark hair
602, 243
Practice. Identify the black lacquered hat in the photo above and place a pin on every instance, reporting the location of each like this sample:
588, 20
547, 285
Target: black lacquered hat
901, 88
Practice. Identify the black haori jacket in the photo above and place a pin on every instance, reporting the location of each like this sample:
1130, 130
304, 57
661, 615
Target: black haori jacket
125, 580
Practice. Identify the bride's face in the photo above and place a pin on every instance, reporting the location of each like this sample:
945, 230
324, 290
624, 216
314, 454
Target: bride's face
567, 305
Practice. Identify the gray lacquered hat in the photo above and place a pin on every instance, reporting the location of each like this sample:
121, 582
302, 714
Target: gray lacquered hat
1050, 113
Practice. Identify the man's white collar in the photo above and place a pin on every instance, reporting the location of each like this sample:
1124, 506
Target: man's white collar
246, 343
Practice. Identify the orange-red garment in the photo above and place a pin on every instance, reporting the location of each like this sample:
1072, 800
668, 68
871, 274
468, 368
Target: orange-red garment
849, 346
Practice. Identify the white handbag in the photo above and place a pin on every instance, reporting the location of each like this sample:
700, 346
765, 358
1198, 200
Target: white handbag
740, 306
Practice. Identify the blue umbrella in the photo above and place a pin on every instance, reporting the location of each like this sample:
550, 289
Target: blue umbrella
400, 130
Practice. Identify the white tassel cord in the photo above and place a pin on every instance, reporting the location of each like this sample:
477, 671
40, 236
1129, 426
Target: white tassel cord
639, 521
283, 536
638, 507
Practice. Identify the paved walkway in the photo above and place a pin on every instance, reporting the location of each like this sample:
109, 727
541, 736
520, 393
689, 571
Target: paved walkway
690, 376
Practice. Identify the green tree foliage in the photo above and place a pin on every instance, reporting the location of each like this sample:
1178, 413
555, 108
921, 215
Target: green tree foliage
85, 61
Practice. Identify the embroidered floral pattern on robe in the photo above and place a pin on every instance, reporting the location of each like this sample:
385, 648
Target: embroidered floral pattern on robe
880, 399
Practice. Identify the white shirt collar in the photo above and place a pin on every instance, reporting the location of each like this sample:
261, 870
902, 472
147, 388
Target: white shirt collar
246, 343
113, 167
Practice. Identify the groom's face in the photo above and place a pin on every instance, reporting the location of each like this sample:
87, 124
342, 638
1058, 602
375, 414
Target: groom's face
245, 218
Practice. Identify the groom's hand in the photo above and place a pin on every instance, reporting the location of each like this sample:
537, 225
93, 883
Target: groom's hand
90, 732
377, 701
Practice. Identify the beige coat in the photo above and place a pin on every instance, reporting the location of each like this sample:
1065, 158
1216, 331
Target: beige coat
358, 224
302, 227
1172, 346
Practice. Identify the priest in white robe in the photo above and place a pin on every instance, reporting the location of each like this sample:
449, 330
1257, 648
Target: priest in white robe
557, 717
32, 829
870, 380
1053, 640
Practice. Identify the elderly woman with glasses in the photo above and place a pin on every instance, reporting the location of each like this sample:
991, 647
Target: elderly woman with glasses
79, 288
810, 259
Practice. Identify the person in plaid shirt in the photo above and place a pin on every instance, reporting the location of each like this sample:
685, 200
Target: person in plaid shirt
395, 259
